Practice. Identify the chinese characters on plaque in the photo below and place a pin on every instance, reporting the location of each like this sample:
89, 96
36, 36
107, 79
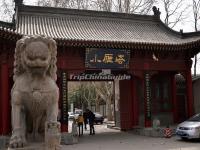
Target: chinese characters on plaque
107, 58
64, 110
148, 96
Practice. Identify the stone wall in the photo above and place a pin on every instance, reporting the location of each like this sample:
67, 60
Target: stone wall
196, 95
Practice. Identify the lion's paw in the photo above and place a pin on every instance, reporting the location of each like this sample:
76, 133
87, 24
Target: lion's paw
17, 141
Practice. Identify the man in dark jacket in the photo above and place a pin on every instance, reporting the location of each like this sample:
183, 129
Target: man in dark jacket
91, 118
85, 116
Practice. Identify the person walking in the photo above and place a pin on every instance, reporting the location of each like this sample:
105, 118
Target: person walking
85, 117
80, 121
91, 118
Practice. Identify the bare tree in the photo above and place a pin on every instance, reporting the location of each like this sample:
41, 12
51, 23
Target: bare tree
82, 4
119, 6
89, 94
6, 10
145, 7
46, 3
126, 6
134, 6
105, 91
78, 4
175, 11
196, 15
103, 5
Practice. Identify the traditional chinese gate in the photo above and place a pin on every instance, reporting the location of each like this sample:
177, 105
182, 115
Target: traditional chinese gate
154, 50
115, 61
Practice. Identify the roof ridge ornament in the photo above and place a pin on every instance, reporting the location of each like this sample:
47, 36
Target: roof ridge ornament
181, 33
156, 11
18, 2
7, 25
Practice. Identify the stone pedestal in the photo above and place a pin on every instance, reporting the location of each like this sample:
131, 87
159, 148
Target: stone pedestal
52, 139
31, 146
36, 146
52, 136
69, 139
4, 140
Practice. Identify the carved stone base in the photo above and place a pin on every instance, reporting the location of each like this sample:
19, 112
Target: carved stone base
35, 146
69, 139
52, 139
4, 140
52, 136
31, 146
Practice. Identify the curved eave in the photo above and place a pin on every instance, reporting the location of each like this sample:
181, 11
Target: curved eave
179, 34
9, 34
7, 25
192, 46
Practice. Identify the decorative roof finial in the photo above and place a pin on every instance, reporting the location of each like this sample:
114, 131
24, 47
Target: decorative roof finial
181, 32
18, 2
156, 11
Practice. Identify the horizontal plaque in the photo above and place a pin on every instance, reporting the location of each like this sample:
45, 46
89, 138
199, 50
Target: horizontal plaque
107, 58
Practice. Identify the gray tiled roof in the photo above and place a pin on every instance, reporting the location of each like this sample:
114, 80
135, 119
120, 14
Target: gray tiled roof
7, 25
96, 26
195, 78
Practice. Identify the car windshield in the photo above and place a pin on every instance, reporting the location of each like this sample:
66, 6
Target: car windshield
195, 118
97, 114
78, 111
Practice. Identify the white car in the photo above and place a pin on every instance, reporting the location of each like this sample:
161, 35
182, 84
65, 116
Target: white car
70, 115
98, 118
77, 112
189, 129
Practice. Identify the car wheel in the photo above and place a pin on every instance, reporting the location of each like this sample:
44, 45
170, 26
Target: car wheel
101, 122
184, 138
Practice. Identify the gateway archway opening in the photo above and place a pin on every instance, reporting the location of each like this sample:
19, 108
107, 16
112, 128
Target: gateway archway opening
97, 96
106, 93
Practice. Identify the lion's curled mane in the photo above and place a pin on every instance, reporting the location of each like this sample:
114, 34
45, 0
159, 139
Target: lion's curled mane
19, 68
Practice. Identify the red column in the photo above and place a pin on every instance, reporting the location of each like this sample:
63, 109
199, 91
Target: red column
64, 127
5, 103
135, 103
190, 103
126, 103
174, 99
1, 121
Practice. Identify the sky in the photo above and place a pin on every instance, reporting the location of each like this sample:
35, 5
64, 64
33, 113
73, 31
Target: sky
188, 24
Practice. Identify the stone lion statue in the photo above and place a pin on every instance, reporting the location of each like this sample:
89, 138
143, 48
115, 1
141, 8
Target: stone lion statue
34, 95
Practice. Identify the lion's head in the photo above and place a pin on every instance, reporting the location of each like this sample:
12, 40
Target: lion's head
35, 53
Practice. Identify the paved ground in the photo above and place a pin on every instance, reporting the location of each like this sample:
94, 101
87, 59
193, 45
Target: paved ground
109, 139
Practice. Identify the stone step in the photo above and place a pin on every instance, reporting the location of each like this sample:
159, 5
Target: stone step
159, 132
4, 141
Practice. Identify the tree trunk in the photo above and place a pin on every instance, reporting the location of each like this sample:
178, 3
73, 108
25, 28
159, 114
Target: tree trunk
109, 109
97, 107
117, 96
89, 105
